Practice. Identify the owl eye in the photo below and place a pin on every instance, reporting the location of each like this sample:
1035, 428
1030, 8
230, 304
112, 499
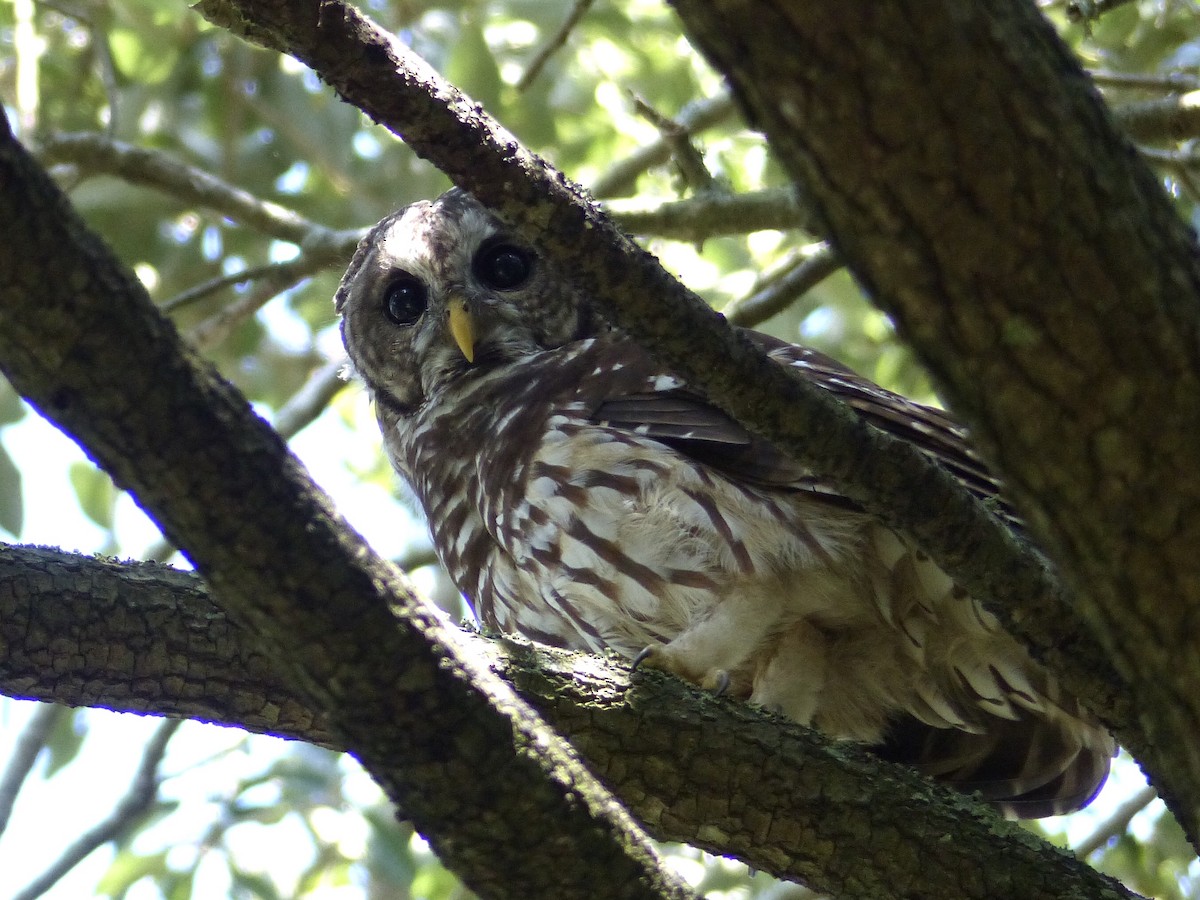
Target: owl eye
503, 267
405, 300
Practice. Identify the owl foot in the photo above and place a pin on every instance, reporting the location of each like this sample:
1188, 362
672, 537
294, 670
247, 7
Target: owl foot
665, 659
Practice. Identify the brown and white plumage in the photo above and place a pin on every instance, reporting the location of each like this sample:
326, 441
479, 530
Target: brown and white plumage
583, 496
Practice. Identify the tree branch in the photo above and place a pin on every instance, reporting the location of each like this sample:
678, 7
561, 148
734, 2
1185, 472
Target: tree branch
694, 118
81, 341
29, 746
777, 290
712, 213
1169, 119
125, 816
713, 773
95, 154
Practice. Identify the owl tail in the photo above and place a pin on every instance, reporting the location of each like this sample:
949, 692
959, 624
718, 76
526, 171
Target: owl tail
1029, 768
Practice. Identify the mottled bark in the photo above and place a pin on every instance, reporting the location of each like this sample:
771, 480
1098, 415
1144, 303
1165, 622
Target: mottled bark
713, 773
449, 129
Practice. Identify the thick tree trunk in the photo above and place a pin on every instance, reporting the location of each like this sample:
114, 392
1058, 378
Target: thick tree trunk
979, 191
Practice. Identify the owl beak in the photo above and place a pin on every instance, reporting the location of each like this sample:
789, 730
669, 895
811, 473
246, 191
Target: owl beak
462, 327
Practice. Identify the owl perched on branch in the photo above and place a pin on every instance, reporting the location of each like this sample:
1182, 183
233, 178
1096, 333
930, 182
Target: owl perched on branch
581, 495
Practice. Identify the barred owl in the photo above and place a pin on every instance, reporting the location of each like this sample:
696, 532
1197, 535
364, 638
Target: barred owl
580, 494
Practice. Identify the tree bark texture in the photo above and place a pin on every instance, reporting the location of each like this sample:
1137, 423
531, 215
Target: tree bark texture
81, 341
980, 192
710, 772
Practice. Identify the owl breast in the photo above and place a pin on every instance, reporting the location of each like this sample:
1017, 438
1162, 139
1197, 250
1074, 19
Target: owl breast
588, 536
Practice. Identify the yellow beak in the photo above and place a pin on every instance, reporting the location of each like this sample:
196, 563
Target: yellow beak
462, 327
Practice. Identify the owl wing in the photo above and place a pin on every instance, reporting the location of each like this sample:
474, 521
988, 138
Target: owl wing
1043, 762
666, 410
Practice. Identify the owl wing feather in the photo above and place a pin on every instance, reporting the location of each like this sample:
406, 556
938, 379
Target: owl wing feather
687, 422
1032, 765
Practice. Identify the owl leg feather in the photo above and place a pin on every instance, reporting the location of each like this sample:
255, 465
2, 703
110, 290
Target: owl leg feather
792, 675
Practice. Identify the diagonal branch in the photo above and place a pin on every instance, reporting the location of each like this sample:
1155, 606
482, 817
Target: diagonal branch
80, 339
96, 154
713, 773
130, 810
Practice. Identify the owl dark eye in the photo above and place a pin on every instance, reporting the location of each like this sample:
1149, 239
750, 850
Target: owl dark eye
503, 267
405, 300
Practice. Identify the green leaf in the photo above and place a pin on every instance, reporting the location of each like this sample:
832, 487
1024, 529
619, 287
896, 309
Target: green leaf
129, 868
65, 740
144, 61
95, 492
472, 67
12, 510
253, 884
389, 850
11, 407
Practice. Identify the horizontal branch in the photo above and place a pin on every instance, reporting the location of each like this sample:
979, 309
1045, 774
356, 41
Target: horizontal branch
1164, 120
712, 214
713, 773
96, 154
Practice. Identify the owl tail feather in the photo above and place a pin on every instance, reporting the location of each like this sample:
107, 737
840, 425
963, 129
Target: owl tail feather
1029, 768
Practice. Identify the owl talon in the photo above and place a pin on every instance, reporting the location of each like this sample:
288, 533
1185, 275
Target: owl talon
644, 655
659, 656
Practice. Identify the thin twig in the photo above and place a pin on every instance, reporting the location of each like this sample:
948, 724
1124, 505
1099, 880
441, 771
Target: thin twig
1170, 82
33, 738
1171, 158
713, 213
1163, 119
1116, 824
127, 813
773, 297
310, 401
621, 179
553, 45
88, 15
217, 327
95, 154
685, 154
207, 288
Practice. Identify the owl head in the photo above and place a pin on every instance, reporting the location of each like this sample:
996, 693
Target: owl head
442, 289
